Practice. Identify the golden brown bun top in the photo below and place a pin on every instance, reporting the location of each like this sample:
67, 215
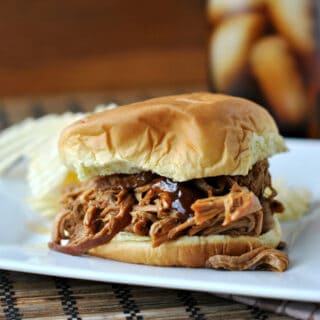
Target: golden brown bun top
181, 137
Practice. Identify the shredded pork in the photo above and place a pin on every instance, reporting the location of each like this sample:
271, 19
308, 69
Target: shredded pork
148, 204
94, 223
262, 258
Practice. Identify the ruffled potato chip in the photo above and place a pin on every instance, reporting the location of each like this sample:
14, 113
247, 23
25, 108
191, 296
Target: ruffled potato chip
296, 201
36, 140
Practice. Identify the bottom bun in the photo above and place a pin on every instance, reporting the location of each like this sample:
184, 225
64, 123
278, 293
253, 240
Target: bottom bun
186, 251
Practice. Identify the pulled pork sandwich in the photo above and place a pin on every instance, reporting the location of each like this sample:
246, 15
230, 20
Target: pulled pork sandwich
173, 181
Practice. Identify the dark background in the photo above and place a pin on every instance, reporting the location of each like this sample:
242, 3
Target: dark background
51, 46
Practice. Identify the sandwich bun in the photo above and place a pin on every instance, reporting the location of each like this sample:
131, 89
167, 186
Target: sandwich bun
186, 251
181, 137
294, 20
222, 9
229, 47
281, 82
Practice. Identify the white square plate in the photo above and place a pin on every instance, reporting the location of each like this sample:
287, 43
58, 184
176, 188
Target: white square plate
23, 250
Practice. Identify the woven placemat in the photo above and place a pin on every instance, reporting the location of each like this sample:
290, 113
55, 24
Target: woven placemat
28, 296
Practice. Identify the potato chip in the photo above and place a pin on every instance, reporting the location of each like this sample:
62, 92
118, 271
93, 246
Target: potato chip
48, 205
37, 141
23, 139
296, 201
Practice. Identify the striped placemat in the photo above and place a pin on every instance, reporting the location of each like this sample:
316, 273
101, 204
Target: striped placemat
28, 296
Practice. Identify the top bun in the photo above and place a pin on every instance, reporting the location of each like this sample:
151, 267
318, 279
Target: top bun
181, 137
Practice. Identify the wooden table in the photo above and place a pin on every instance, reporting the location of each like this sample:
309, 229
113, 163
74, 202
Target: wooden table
59, 46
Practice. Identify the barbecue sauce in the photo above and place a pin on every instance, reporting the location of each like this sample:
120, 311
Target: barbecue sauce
180, 194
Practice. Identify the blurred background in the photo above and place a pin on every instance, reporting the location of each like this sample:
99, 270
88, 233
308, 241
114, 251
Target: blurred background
58, 55
51, 47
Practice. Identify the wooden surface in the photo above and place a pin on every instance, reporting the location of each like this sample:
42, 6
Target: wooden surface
28, 296
62, 46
